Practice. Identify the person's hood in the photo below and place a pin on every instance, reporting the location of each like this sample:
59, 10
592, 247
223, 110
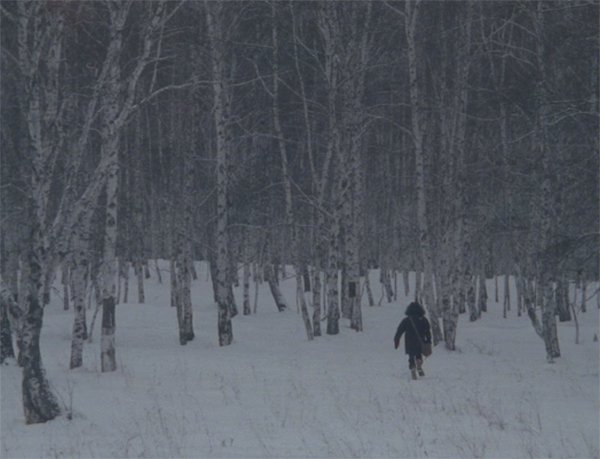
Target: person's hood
415, 309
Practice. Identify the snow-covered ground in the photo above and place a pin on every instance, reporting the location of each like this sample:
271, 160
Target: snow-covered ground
275, 394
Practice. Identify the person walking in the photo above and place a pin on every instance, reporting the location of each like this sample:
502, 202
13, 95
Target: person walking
417, 333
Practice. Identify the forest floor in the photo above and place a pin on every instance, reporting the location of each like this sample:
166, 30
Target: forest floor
275, 394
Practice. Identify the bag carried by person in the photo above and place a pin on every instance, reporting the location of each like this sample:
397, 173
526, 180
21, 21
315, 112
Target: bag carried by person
426, 348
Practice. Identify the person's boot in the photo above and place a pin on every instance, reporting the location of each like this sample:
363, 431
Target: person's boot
420, 367
413, 373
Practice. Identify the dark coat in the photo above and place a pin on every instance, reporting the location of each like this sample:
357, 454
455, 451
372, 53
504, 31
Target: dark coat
415, 314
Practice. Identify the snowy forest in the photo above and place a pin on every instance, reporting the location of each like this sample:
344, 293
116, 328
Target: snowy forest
319, 140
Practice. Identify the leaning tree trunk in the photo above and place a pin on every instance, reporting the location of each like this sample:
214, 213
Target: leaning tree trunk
40, 41
39, 403
298, 266
368, 288
271, 278
544, 328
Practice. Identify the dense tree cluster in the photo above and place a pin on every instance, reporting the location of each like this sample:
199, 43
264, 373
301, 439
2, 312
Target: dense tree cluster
455, 139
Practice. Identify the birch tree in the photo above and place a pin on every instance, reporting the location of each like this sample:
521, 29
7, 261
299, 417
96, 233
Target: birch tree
181, 203
79, 263
10, 313
455, 139
119, 101
543, 198
411, 16
353, 66
318, 182
38, 53
329, 29
298, 266
220, 95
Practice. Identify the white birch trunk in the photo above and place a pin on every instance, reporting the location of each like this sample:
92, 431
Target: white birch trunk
125, 265
107, 339
333, 306
79, 267
329, 251
562, 299
39, 403
173, 282
40, 40
79, 274
110, 152
317, 292
118, 103
354, 64
544, 215
506, 306
214, 18
368, 288
188, 313
298, 267
385, 279
182, 296
65, 283
271, 278
9, 284
455, 246
8, 304
246, 279
257, 279
417, 126
483, 295
158, 271
406, 282
418, 287
140, 281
